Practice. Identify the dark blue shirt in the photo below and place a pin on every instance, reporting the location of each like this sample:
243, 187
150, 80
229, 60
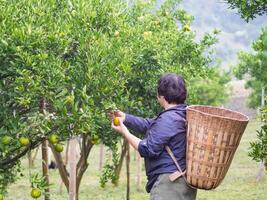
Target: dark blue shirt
168, 128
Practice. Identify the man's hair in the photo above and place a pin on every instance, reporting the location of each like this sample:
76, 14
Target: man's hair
172, 87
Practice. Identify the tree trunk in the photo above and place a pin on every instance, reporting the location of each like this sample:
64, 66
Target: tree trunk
65, 163
262, 96
128, 171
82, 164
261, 171
139, 169
72, 156
31, 155
101, 157
34, 155
30, 163
61, 167
45, 167
42, 107
119, 166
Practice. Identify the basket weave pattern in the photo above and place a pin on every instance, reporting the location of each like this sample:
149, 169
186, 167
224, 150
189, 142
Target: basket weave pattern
213, 135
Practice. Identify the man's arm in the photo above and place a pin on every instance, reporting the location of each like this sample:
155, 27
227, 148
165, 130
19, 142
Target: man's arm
159, 135
137, 124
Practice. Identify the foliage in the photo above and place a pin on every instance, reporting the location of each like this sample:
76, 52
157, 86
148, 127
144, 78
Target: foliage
254, 65
9, 175
249, 9
258, 149
206, 90
38, 181
74, 64
81, 58
242, 170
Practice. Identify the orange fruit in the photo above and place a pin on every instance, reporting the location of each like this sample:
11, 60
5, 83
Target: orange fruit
186, 28
59, 148
36, 193
24, 141
6, 140
116, 33
95, 139
116, 121
69, 99
147, 34
1, 197
53, 139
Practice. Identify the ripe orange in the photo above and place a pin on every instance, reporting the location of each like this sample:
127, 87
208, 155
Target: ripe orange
24, 141
186, 28
147, 34
116, 121
116, 33
36, 193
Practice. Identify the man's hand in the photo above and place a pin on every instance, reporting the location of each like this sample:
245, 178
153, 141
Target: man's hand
120, 114
121, 128
117, 113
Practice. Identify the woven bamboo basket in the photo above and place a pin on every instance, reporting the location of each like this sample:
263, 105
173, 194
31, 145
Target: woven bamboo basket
213, 135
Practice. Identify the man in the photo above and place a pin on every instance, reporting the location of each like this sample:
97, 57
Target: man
167, 129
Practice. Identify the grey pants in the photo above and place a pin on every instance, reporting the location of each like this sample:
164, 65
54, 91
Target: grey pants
164, 189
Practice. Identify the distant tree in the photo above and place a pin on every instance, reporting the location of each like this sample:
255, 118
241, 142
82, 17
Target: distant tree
205, 90
255, 65
249, 9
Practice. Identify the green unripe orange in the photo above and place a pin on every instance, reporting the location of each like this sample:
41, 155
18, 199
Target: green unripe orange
36, 193
24, 141
95, 139
1, 197
59, 148
53, 139
6, 140
70, 99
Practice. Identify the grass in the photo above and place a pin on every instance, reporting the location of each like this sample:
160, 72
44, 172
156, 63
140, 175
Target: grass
239, 182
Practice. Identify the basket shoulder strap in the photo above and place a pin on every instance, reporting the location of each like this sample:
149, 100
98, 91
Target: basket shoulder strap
178, 166
174, 159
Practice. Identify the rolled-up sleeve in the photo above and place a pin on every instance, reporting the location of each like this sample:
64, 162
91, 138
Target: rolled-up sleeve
159, 135
137, 124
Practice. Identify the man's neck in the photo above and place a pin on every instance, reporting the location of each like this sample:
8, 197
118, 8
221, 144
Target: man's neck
168, 106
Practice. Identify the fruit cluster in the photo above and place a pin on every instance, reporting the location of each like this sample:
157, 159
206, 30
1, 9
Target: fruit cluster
54, 140
6, 140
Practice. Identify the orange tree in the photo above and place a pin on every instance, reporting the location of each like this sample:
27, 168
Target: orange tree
159, 41
82, 58
55, 53
254, 65
249, 9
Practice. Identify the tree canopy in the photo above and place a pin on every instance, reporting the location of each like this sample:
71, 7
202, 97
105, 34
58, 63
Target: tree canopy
249, 9
255, 66
80, 59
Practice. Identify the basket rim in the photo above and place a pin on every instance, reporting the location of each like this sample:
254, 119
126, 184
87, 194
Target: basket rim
218, 116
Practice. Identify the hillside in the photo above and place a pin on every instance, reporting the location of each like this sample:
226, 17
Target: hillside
236, 34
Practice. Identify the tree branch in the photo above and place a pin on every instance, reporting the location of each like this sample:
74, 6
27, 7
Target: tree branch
61, 167
12, 160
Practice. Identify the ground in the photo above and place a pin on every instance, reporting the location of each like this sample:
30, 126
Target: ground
239, 183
